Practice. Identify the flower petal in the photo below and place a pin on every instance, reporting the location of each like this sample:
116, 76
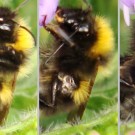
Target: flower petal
128, 3
126, 14
47, 9
134, 4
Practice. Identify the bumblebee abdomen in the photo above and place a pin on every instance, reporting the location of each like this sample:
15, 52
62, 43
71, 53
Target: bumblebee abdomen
5, 94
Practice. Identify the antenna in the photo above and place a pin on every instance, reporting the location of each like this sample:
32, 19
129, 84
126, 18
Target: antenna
26, 30
88, 4
21, 5
60, 47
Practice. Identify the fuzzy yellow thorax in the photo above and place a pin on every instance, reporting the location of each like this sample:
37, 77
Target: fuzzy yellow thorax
104, 44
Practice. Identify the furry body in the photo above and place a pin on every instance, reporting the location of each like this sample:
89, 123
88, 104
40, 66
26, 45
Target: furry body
87, 43
127, 85
15, 46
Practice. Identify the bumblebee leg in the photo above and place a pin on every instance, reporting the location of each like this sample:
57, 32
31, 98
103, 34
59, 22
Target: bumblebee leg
82, 107
49, 29
76, 115
60, 35
53, 29
44, 21
68, 83
54, 91
89, 6
46, 99
55, 86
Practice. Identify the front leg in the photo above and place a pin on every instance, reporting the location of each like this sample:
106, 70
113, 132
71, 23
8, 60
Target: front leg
56, 86
48, 98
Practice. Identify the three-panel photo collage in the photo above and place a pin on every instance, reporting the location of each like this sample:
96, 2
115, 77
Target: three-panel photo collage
67, 67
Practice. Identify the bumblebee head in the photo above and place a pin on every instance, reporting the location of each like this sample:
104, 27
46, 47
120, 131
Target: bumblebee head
76, 20
71, 16
7, 25
79, 23
6, 14
16, 41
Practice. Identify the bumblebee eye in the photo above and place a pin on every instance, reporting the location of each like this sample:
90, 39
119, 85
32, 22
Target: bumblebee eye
83, 28
5, 27
70, 21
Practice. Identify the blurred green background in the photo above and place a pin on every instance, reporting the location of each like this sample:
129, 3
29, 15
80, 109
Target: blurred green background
124, 35
22, 118
125, 38
100, 117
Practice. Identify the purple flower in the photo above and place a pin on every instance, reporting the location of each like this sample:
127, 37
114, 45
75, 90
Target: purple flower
47, 9
128, 7
128, 3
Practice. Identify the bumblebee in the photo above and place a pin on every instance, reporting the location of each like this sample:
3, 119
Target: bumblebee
127, 82
82, 44
16, 42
